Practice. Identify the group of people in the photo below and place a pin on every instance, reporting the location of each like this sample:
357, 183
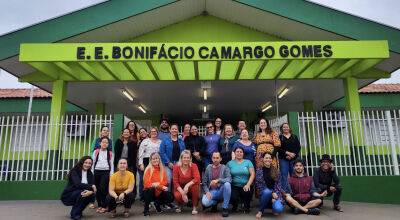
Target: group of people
229, 166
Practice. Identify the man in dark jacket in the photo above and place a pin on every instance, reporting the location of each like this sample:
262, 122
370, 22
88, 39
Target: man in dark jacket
301, 193
323, 178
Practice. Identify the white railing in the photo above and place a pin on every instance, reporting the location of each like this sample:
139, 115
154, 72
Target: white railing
44, 148
360, 144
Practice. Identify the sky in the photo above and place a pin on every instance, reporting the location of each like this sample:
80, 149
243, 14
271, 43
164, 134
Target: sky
17, 14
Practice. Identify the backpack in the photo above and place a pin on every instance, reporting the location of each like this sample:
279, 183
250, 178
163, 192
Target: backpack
96, 157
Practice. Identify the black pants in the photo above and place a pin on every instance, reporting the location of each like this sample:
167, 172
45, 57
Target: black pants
163, 198
336, 194
238, 194
128, 201
133, 169
101, 179
77, 202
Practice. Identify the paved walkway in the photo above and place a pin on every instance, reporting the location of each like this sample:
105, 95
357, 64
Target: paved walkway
54, 210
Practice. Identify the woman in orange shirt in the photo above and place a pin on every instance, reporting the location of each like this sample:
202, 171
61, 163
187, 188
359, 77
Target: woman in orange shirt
155, 182
186, 179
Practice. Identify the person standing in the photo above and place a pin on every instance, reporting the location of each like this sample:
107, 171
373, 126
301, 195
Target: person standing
164, 129
126, 147
196, 144
147, 147
103, 168
267, 140
301, 193
104, 132
248, 146
218, 126
143, 135
186, 179
228, 139
133, 130
243, 174
217, 185
80, 189
212, 141
290, 148
155, 185
186, 131
269, 182
170, 150
327, 181
242, 125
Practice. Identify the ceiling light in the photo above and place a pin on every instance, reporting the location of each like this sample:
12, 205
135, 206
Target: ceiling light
283, 92
205, 109
266, 108
142, 109
127, 94
205, 94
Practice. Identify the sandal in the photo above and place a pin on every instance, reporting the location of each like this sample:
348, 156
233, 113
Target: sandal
195, 212
178, 210
126, 213
112, 213
91, 206
338, 208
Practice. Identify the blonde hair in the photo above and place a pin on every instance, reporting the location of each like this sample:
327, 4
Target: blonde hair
150, 166
180, 158
223, 131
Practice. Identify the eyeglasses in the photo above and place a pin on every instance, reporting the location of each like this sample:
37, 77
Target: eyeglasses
209, 127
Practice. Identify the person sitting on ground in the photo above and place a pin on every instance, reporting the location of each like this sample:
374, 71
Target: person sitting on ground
120, 189
268, 180
323, 177
217, 185
80, 189
186, 178
301, 193
155, 183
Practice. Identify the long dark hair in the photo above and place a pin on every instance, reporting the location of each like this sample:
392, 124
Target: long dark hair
268, 130
274, 171
135, 130
78, 166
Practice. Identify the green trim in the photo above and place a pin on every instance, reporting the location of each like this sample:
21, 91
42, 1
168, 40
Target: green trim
118, 126
372, 189
38, 105
352, 98
355, 189
74, 23
57, 112
31, 190
381, 100
293, 120
330, 20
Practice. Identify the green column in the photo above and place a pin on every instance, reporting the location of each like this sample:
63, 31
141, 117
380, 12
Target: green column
293, 120
353, 107
57, 112
308, 112
118, 126
353, 112
100, 109
55, 133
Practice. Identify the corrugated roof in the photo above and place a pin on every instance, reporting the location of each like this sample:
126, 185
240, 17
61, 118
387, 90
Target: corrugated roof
381, 88
23, 93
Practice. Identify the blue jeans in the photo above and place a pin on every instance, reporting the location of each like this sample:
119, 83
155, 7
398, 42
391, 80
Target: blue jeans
77, 202
221, 194
266, 199
286, 168
169, 176
207, 161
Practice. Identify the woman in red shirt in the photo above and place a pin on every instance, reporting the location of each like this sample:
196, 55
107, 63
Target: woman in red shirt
186, 179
